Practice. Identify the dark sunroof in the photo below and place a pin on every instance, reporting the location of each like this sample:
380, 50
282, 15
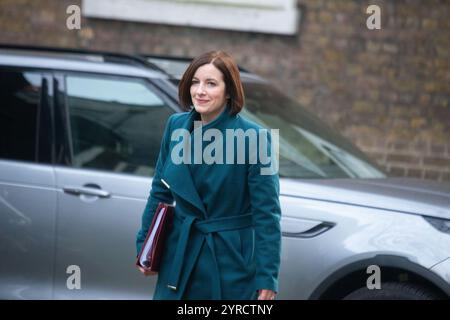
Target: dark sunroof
172, 67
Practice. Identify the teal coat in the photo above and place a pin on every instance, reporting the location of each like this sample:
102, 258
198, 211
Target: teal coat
225, 242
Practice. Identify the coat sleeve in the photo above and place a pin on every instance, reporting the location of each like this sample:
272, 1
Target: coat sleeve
158, 193
264, 199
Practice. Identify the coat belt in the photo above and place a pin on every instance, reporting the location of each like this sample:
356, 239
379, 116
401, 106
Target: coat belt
206, 228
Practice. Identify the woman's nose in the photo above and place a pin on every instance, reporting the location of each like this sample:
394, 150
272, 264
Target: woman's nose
200, 89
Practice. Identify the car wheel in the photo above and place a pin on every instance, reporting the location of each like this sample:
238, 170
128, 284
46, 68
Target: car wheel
394, 291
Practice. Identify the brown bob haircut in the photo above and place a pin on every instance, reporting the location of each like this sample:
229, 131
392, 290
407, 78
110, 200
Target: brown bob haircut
226, 64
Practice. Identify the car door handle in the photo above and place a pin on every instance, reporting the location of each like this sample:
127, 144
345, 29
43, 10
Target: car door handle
87, 191
312, 232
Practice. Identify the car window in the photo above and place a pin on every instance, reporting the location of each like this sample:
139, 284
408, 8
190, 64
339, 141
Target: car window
308, 147
20, 96
116, 124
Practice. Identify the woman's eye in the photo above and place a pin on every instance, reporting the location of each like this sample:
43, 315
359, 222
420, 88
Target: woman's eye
211, 84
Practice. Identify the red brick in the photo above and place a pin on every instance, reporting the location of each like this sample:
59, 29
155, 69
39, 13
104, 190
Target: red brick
435, 161
414, 173
397, 171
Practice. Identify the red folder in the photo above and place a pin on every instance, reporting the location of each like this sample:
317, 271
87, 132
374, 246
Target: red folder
152, 249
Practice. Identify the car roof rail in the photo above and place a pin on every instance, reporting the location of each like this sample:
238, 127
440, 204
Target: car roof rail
179, 58
106, 56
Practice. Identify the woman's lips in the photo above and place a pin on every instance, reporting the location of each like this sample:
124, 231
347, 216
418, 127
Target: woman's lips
201, 101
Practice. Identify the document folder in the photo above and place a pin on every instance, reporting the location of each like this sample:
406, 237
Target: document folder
152, 249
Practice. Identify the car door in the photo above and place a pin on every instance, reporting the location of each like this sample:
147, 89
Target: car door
27, 185
110, 133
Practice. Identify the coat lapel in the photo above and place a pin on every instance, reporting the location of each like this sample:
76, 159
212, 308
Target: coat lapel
178, 176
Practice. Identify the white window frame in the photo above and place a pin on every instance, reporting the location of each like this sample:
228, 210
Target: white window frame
264, 16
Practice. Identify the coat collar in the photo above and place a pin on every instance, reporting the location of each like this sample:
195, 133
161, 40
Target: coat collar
178, 176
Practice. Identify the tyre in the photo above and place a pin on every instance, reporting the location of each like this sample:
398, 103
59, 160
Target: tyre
394, 291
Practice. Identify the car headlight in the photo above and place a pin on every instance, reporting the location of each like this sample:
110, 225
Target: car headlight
440, 224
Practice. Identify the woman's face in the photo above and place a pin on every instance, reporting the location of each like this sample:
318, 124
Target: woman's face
208, 92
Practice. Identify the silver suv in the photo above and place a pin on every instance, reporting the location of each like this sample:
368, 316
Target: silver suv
79, 136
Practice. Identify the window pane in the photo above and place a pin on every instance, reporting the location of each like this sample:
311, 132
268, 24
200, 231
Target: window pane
19, 95
308, 147
116, 124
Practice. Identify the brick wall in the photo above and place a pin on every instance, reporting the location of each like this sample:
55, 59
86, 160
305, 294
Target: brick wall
386, 90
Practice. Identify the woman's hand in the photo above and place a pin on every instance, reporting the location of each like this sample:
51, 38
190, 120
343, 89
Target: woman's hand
265, 294
147, 272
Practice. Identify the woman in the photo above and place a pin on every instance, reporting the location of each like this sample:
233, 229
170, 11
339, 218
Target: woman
225, 241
